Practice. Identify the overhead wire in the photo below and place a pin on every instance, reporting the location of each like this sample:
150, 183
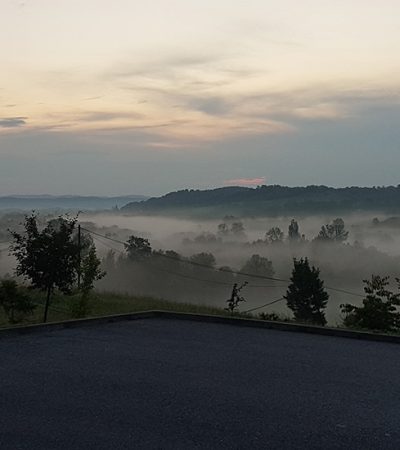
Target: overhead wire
194, 263
265, 305
170, 271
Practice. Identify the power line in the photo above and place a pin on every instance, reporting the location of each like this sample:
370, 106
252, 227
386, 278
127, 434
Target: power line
170, 271
193, 263
343, 291
97, 235
265, 305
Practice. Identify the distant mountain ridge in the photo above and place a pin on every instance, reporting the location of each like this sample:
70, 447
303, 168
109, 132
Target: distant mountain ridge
270, 200
65, 202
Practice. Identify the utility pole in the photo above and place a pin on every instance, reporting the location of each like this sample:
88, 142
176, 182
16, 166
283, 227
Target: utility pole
79, 256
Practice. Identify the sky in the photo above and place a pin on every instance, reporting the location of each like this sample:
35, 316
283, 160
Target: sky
131, 97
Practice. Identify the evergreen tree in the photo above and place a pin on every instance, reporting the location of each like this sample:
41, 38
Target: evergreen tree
293, 232
306, 295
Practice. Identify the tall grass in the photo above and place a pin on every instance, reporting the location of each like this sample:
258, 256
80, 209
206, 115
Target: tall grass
102, 304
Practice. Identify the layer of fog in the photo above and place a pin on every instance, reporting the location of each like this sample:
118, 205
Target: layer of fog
371, 248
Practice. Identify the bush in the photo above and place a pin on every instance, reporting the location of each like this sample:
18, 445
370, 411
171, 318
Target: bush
15, 302
379, 310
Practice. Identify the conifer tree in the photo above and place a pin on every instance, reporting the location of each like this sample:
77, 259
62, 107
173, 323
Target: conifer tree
306, 295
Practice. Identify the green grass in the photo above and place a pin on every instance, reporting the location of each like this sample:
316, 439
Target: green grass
108, 304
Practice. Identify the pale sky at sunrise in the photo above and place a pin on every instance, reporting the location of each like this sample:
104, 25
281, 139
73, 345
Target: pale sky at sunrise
130, 97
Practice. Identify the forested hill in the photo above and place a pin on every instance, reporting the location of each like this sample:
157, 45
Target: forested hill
270, 200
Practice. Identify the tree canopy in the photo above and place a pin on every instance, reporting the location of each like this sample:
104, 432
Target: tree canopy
306, 295
50, 256
379, 310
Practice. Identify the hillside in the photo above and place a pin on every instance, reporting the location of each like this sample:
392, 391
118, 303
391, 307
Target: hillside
270, 200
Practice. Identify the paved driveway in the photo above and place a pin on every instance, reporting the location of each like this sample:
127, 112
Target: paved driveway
171, 384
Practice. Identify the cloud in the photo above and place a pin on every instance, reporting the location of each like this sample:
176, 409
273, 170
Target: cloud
245, 181
105, 116
12, 122
157, 66
213, 106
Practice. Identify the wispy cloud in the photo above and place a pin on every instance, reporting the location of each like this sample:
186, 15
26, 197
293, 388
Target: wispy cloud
12, 122
213, 106
105, 116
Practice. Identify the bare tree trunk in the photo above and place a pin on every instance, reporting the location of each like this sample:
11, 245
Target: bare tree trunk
46, 308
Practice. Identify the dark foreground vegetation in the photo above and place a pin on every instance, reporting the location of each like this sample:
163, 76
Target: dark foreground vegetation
101, 304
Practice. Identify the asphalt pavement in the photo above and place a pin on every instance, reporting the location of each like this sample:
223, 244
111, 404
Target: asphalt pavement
174, 384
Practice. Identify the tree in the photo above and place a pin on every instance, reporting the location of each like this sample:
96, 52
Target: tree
274, 235
236, 298
204, 258
378, 310
293, 232
237, 229
48, 258
138, 248
334, 232
258, 265
306, 295
223, 229
14, 301
90, 271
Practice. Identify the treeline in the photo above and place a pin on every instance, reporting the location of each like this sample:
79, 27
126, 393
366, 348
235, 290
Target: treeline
271, 200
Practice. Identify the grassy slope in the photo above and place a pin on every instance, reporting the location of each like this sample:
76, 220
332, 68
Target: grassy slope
108, 304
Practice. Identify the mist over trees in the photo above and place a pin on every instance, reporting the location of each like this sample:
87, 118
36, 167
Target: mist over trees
158, 255
340, 260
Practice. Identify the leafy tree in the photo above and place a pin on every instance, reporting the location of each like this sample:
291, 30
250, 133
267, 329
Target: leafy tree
274, 235
306, 295
293, 232
379, 309
334, 232
14, 301
206, 238
237, 229
90, 272
258, 265
48, 258
204, 258
223, 229
138, 248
